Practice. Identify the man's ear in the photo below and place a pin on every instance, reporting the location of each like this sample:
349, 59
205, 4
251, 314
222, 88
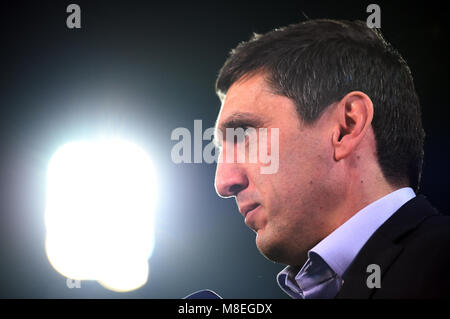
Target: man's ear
353, 114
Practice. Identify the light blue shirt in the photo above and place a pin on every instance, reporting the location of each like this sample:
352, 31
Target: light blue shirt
321, 275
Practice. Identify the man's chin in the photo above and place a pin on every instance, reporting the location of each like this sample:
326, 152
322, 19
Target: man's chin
270, 248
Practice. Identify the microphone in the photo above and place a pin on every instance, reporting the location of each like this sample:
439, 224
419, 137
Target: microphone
203, 294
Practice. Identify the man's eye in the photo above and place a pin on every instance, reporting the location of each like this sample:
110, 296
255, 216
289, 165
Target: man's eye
243, 132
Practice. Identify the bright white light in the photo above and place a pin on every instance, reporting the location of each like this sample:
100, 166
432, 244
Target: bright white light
99, 212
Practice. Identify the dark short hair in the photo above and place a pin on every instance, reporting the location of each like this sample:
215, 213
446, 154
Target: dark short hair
317, 62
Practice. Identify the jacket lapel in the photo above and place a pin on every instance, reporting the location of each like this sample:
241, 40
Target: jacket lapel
384, 247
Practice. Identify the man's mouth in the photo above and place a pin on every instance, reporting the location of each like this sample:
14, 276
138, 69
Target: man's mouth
246, 209
250, 212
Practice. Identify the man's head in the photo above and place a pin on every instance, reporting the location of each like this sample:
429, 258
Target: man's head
349, 129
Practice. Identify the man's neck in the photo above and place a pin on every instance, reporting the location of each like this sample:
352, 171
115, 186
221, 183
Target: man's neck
357, 198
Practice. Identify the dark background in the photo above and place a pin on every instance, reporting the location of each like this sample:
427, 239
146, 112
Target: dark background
141, 69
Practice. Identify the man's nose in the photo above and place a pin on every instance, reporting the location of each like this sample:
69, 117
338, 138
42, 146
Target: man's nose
230, 179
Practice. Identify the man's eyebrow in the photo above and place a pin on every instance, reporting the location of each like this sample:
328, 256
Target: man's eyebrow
239, 119
236, 120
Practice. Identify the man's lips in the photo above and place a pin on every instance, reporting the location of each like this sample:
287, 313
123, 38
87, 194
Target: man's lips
247, 208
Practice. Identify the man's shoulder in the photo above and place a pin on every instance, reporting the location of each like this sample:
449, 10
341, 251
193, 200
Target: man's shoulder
433, 231
417, 219
430, 234
421, 268
412, 250
416, 224
427, 244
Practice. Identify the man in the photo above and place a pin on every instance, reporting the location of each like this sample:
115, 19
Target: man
341, 211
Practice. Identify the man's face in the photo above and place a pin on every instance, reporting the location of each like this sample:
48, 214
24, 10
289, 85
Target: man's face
287, 209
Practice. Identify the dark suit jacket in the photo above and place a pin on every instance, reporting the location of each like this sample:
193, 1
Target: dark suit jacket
412, 249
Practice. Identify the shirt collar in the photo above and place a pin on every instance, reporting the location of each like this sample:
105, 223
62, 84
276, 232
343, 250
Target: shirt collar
287, 282
339, 249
